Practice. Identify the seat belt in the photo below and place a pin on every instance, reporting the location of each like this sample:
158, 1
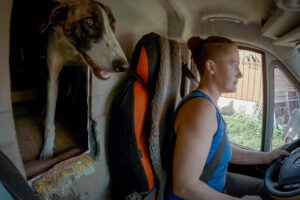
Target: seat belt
211, 167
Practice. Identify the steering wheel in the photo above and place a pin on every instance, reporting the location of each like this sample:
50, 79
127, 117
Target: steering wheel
282, 178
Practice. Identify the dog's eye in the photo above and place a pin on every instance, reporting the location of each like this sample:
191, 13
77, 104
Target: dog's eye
70, 30
89, 21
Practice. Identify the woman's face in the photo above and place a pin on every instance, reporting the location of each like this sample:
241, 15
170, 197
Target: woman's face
227, 70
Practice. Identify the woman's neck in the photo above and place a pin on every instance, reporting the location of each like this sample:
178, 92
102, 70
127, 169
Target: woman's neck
210, 90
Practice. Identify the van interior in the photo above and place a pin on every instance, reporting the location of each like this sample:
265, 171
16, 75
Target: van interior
267, 99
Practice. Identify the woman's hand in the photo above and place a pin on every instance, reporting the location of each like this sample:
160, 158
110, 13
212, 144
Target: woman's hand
251, 197
276, 154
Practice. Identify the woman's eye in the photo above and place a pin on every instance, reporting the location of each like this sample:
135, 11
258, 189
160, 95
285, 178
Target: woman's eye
113, 26
89, 21
235, 65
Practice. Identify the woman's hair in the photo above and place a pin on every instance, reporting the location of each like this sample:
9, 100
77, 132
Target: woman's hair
212, 48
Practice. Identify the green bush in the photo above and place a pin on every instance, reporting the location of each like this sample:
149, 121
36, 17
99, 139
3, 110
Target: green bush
277, 137
246, 130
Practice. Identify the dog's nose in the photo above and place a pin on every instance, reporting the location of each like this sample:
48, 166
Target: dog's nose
120, 65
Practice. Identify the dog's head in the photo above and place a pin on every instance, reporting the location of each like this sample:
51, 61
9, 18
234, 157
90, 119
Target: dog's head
89, 26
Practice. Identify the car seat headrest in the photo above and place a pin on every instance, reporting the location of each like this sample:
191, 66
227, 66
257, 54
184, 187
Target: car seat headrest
145, 58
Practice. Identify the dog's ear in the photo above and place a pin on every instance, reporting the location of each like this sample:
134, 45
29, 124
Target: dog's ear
58, 15
111, 17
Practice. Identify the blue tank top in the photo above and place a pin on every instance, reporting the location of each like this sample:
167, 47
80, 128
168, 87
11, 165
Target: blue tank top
217, 180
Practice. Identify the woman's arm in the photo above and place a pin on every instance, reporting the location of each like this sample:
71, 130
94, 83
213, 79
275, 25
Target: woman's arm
195, 126
248, 157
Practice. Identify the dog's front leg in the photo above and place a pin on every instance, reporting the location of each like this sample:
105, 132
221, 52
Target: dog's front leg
55, 64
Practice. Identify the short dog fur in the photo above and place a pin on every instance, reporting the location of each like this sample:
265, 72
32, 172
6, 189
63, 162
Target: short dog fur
81, 32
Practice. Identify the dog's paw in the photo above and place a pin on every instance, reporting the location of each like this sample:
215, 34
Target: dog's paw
48, 148
46, 153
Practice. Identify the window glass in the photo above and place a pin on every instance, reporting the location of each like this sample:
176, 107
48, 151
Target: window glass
242, 110
286, 110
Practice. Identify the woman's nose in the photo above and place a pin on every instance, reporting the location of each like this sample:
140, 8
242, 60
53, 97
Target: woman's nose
240, 74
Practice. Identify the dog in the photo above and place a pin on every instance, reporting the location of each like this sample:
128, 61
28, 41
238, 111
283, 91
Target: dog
81, 32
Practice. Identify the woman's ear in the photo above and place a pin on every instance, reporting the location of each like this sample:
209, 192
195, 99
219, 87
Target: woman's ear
210, 66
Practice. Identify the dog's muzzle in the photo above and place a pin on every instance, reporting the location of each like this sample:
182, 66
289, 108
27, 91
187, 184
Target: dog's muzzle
120, 65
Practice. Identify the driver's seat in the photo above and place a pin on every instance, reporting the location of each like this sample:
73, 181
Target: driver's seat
141, 114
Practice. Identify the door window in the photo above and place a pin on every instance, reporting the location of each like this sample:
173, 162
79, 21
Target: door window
242, 110
286, 110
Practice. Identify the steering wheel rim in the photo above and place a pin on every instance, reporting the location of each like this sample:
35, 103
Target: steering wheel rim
271, 185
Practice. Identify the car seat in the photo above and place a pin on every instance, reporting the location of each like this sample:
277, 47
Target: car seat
12, 184
141, 114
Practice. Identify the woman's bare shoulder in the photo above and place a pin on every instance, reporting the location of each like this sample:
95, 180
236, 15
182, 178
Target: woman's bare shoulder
197, 115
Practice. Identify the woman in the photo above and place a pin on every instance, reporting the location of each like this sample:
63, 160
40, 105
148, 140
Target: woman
198, 129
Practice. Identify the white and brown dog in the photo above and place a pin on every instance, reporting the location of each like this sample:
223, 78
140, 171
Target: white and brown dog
82, 31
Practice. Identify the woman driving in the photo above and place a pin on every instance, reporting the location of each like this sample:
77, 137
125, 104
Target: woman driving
198, 130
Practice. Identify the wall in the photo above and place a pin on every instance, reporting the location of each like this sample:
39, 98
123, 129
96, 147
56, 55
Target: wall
88, 187
8, 142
